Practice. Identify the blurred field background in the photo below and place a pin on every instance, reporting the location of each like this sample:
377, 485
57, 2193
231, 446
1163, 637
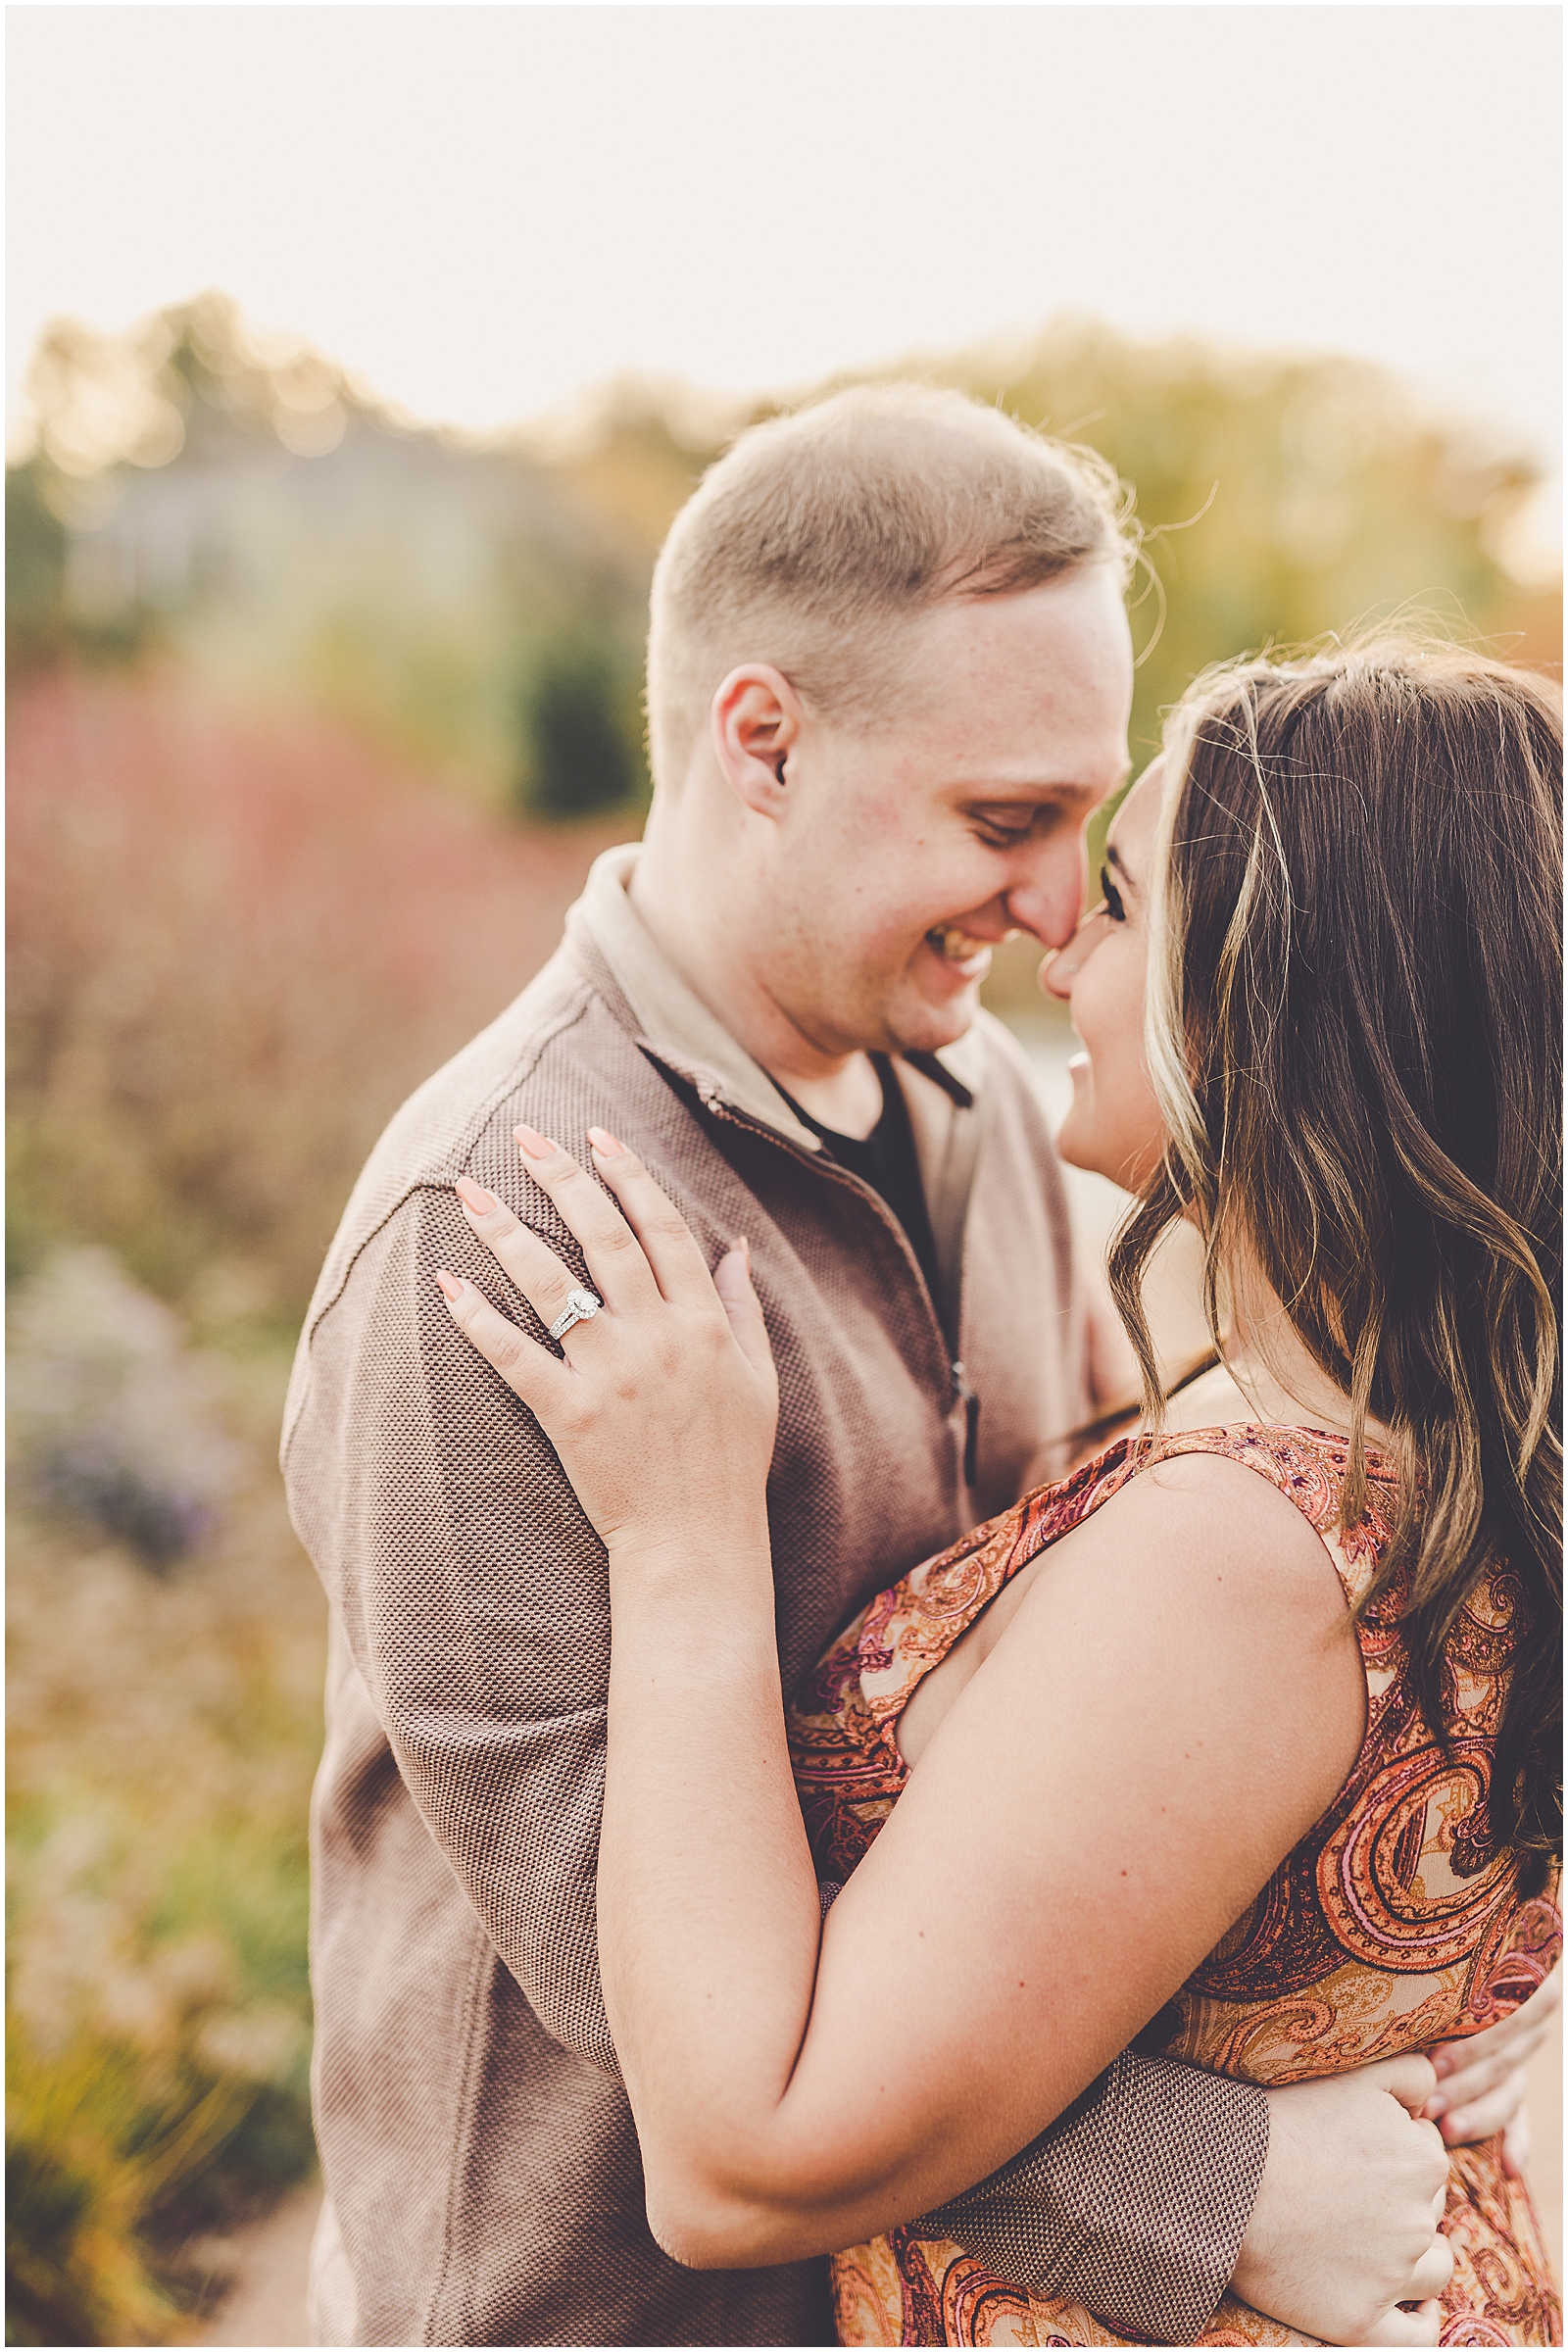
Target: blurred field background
316, 717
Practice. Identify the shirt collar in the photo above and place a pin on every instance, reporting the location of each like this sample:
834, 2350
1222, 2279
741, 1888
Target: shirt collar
686, 1033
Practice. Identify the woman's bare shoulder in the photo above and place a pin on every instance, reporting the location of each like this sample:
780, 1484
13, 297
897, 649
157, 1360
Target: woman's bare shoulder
1197, 1571
1202, 1563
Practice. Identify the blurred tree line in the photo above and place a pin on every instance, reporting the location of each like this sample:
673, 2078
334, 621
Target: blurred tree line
233, 497
1280, 496
233, 501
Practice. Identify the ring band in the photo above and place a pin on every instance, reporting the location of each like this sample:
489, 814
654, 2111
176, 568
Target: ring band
581, 1306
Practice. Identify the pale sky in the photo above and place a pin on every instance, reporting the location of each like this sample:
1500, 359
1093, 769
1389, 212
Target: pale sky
481, 208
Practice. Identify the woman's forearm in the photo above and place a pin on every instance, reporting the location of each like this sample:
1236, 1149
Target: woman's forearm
708, 1915
1154, 1728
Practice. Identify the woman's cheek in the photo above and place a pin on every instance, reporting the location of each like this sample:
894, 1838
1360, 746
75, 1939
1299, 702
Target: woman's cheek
1074, 1136
1115, 1125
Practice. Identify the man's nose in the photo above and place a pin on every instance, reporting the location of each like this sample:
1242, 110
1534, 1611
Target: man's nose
1048, 901
1058, 972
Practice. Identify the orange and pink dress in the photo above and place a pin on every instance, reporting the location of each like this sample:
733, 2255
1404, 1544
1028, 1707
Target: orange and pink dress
1392, 1924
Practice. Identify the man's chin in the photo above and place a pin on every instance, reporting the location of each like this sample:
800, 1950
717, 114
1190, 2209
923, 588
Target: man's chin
918, 1026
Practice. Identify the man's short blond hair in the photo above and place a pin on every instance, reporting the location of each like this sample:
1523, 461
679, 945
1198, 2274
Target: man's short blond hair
820, 535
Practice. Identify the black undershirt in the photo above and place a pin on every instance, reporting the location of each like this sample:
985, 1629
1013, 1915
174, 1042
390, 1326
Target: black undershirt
887, 1161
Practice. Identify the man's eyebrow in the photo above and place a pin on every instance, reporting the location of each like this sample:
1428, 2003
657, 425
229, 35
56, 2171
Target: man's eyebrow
1030, 796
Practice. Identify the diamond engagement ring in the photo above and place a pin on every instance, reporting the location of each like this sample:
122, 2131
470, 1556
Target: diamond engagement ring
580, 1307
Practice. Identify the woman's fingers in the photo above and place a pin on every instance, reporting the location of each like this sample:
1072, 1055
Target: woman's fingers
529, 1263
640, 1254
1516, 2145
680, 1266
1493, 2112
617, 1260
636, 1252
1481, 2082
530, 1371
732, 1280
1518, 2035
1468, 2083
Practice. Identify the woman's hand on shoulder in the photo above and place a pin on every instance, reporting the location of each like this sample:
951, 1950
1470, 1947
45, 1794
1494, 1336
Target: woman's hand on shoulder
664, 1403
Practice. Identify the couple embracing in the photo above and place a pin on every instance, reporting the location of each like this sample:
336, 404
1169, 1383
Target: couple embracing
822, 1836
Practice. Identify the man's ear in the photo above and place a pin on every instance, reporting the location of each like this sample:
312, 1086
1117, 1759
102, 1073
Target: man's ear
757, 723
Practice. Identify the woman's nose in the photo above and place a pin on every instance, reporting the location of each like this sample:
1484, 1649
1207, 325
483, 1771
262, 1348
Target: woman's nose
1058, 972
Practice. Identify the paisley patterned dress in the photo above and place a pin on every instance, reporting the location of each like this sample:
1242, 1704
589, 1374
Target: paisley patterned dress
1393, 1923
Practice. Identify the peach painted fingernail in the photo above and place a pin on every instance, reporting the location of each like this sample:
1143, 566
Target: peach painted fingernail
605, 1144
450, 1285
745, 1248
537, 1145
475, 1197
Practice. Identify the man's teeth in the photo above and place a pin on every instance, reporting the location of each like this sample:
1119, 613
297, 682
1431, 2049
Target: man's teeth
958, 946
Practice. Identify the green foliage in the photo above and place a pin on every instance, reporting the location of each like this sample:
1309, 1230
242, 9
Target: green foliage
43, 621
150, 2120
77, 2124
340, 554
579, 724
163, 1736
232, 497
1279, 498
35, 571
113, 2167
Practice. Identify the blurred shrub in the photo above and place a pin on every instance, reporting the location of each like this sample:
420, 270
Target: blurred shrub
36, 618
162, 1737
236, 944
100, 2150
232, 494
581, 733
112, 1420
44, 624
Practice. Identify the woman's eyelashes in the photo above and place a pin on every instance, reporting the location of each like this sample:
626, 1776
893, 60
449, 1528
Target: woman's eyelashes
1112, 896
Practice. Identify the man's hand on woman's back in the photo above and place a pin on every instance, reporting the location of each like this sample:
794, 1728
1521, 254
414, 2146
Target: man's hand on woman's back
1344, 2228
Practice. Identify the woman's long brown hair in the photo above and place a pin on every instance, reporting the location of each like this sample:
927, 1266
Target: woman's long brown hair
1355, 1031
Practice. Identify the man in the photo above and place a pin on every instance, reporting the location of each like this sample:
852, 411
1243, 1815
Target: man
889, 681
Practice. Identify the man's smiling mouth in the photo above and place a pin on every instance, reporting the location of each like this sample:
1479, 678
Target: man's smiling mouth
959, 949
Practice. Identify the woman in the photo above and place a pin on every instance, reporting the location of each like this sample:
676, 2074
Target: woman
1125, 1763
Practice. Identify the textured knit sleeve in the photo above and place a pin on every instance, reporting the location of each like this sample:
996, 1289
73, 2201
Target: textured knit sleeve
1134, 2203
474, 1597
